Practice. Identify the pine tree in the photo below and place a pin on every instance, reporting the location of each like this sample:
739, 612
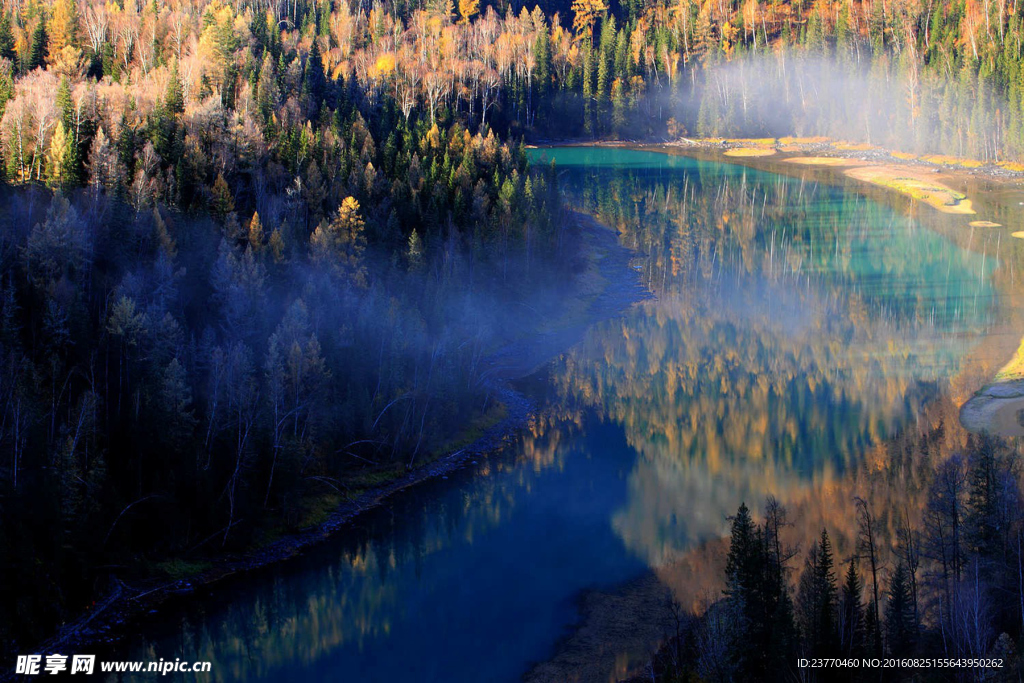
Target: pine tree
739, 570
825, 580
867, 541
268, 92
618, 105
758, 598
741, 589
7, 38
315, 80
223, 201
163, 236
260, 31
780, 639
872, 634
844, 36
276, 244
605, 57
177, 419
174, 98
900, 628
851, 614
38, 52
542, 69
818, 600
414, 253
340, 243
71, 171
588, 85
58, 156
6, 89
982, 501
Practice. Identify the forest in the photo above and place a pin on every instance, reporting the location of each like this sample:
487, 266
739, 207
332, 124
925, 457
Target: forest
254, 254
224, 310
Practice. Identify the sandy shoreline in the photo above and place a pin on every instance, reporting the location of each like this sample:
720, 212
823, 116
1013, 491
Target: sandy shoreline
837, 153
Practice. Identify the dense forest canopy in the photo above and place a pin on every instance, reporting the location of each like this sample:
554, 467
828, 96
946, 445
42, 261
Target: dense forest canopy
218, 87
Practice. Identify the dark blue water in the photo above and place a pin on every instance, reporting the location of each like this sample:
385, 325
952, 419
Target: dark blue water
465, 579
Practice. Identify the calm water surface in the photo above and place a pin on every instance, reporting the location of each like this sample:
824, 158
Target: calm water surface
796, 324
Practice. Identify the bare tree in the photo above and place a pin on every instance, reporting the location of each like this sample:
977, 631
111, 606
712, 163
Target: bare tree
96, 25
867, 541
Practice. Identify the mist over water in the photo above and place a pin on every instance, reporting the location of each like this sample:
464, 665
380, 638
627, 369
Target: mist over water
844, 94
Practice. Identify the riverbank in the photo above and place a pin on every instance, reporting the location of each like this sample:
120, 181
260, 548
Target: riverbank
824, 149
604, 285
630, 616
930, 179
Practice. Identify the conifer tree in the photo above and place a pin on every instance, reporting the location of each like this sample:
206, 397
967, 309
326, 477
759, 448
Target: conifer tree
71, 170
63, 26
256, 233
7, 38
174, 98
39, 50
315, 80
223, 202
899, 614
825, 583
851, 613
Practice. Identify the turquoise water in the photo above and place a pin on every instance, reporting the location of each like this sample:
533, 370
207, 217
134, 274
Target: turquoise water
755, 222
795, 325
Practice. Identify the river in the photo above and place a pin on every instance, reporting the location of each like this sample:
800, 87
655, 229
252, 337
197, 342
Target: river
797, 324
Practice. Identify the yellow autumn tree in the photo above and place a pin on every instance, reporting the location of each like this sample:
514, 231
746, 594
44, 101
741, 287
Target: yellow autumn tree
385, 64
63, 26
57, 154
585, 13
218, 40
468, 9
729, 36
341, 242
256, 233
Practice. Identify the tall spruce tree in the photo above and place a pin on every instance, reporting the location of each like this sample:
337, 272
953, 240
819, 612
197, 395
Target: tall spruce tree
7, 38
761, 642
900, 629
825, 584
39, 49
851, 614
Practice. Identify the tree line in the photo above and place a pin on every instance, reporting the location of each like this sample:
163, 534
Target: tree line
942, 77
